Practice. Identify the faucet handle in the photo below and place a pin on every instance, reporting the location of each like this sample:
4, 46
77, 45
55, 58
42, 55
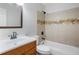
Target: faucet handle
15, 34
10, 36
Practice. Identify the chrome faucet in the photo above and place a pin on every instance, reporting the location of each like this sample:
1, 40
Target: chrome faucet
13, 35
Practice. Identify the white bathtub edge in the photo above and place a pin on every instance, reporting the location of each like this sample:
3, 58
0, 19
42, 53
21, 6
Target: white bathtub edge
62, 49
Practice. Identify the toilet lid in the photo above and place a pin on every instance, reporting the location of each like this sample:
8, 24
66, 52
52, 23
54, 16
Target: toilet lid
43, 48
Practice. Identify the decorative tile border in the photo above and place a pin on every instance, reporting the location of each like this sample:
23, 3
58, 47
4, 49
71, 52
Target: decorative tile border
64, 21
40, 22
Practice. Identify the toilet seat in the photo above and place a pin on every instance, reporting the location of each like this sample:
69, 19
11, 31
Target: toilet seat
43, 49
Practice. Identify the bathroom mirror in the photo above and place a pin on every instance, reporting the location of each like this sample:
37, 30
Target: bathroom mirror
10, 15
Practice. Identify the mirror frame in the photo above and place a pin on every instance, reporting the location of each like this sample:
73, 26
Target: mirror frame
21, 25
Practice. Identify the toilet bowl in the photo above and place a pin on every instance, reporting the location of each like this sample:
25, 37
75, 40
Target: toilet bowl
43, 49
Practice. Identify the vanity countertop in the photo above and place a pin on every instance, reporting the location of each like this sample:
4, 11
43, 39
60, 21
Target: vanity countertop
7, 45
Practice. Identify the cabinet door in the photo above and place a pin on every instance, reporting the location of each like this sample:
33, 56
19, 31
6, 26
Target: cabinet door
30, 52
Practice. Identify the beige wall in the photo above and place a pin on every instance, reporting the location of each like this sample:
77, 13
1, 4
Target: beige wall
63, 33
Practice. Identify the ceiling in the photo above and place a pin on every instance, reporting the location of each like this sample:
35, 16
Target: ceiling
54, 7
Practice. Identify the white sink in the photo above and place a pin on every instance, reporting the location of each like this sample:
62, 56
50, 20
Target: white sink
14, 43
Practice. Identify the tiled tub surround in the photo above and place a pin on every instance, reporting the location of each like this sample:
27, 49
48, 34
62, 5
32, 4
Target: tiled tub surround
63, 21
62, 26
63, 31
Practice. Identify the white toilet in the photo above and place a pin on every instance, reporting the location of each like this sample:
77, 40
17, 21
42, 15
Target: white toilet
43, 50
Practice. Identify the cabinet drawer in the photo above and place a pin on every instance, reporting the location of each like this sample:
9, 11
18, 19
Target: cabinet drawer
20, 50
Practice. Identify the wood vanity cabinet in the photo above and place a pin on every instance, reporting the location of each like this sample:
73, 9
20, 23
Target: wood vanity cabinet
27, 49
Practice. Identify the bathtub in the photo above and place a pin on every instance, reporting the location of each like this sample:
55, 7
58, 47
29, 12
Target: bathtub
62, 49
